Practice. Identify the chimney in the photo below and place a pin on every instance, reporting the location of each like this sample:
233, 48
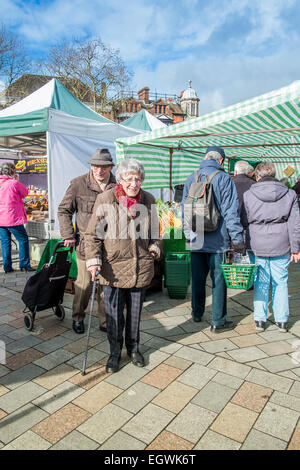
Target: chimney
143, 94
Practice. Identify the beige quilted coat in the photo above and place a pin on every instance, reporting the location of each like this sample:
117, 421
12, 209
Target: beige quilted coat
125, 262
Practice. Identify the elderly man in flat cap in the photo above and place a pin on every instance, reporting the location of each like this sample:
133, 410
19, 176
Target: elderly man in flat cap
79, 199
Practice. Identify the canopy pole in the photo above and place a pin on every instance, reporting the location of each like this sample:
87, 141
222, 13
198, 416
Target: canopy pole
170, 183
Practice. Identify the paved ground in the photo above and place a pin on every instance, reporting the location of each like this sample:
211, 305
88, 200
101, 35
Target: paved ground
235, 390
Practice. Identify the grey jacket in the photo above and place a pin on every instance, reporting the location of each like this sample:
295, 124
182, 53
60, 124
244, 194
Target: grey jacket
271, 210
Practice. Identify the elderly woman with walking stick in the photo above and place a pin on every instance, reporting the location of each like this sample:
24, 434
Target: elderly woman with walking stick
122, 241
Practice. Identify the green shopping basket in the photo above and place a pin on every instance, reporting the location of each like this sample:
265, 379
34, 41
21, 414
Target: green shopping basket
177, 274
239, 276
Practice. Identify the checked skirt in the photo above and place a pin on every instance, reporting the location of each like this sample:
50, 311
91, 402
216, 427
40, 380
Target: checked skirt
115, 300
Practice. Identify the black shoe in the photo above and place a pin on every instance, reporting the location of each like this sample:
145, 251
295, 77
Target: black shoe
137, 358
103, 328
9, 271
283, 326
228, 325
28, 270
196, 318
78, 327
260, 325
112, 364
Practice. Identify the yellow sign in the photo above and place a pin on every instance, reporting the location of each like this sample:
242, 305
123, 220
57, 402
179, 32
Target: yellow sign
289, 171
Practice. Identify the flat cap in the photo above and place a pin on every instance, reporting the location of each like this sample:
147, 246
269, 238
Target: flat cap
101, 157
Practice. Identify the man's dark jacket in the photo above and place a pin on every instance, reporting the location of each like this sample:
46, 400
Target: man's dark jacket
242, 183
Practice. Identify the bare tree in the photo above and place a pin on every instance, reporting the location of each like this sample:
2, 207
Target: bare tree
14, 60
89, 68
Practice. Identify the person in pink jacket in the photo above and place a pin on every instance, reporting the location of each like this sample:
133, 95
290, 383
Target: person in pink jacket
12, 218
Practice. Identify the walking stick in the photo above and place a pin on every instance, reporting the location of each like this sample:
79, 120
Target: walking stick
89, 324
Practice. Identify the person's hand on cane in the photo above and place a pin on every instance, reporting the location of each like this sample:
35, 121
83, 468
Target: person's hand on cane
94, 270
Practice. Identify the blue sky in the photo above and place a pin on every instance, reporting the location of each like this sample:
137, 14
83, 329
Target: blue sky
232, 50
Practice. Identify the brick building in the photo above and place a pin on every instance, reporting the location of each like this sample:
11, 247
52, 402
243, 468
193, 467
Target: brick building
170, 109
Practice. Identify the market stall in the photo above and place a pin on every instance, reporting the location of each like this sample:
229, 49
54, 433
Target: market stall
263, 128
52, 124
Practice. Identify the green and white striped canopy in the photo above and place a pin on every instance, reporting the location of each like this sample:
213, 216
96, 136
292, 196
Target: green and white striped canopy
263, 128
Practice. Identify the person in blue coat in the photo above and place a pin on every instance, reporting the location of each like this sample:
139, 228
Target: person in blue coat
208, 249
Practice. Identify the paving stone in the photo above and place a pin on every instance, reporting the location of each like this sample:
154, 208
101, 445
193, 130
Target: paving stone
175, 397
28, 441
52, 331
114, 418
75, 441
228, 380
94, 356
214, 441
277, 421
52, 360
248, 340
252, 396
251, 353
198, 419
218, 346
127, 376
98, 397
193, 355
17, 361
20, 421
295, 390
169, 441
148, 423
163, 345
266, 379
255, 364
276, 348
230, 367
234, 422
20, 396
173, 321
56, 426
94, 374
161, 376
2, 414
3, 370
257, 440
136, 397
295, 441
3, 390
166, 332
55, 376
278, 363
213, 396
122, 441
21, 376
287, 400
52, 344
197, 376
58, 397
153, 358
193, 338
177, 362
22, 344
275, 335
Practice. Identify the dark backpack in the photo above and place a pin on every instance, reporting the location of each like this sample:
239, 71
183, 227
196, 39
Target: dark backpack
200, 210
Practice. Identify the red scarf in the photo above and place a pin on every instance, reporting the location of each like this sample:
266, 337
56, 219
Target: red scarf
126, 201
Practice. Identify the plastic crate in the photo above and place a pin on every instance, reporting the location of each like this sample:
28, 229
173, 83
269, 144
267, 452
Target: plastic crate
174, 241
177, 292
239, 276
38, 229
177, 274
